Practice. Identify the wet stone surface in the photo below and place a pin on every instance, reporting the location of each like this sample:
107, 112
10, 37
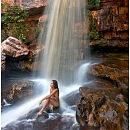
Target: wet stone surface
54, 122
103, 106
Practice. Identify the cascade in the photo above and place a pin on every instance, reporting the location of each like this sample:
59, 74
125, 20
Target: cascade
63, 48
63, 54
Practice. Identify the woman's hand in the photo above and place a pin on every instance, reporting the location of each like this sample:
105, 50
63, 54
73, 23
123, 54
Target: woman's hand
40, 102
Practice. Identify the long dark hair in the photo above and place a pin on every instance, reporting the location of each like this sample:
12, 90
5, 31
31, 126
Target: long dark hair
55, 83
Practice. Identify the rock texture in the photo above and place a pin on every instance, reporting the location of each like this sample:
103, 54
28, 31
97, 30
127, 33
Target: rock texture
14, 48
3, 57
102, 107
54, 122
103, 104
17, 92
111, 19
27, 3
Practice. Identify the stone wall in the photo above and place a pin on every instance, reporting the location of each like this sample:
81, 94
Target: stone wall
112, 20
26, 3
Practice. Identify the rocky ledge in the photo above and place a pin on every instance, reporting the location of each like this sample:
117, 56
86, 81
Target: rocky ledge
102, 106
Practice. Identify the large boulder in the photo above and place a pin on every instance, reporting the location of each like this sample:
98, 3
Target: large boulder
17, 92
102, 106
54, 122
14, 47
32, 64
114, 67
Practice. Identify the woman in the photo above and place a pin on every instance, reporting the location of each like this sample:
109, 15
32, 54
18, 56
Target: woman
52, 100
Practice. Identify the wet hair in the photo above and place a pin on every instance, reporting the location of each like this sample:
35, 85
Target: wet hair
55, 83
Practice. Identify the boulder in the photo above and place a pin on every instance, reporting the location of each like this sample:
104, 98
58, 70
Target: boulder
72, 98
114, 67
17, 92
14, 47
54, 122
102, 106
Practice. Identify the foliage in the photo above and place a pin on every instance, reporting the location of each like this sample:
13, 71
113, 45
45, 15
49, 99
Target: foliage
93, 4
12, 21
93, 33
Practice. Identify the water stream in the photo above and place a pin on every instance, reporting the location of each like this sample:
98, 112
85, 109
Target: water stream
63, 50
62, 59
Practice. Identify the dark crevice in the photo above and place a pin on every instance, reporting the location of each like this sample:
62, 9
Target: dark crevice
91, 77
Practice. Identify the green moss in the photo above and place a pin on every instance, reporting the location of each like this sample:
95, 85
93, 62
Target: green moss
93, 33
93, 4
12, 21
118, 55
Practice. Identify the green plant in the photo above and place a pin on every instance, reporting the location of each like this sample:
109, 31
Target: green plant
12, 21
93, 4
93, 33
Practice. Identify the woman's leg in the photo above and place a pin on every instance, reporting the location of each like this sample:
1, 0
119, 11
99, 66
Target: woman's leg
53, 103
44, 106
50, 101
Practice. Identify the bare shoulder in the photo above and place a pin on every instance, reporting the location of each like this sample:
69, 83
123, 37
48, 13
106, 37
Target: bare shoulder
55, 90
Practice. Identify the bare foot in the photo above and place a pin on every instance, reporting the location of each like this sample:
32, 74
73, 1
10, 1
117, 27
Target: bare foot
39, 113
52, 108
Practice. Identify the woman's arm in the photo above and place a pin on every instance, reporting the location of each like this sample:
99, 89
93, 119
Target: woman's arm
48, 96
53, 92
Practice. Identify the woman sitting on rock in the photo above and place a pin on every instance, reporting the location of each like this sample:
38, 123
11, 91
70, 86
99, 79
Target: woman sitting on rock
52, 100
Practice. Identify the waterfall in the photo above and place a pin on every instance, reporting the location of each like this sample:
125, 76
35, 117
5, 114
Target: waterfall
60, 35
82, 73
64, 44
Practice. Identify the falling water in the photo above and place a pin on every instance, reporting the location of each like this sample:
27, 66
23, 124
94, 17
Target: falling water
63, 48
82, 73
64, 41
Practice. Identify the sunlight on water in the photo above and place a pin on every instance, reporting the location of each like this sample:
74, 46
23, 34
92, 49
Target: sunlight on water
15, 112
42, 87
21, 109
82, 73
62, 38
6, 103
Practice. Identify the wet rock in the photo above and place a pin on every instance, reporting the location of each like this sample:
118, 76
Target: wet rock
18, 92
105, 107
114, 67
29, 66
32, 64
33, 114
35, 49
54, 122
3, 57
72, 98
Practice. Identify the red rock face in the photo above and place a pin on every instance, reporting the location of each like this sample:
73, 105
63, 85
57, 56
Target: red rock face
112, 19
11, 2
14, 47
102, 107
26, 3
